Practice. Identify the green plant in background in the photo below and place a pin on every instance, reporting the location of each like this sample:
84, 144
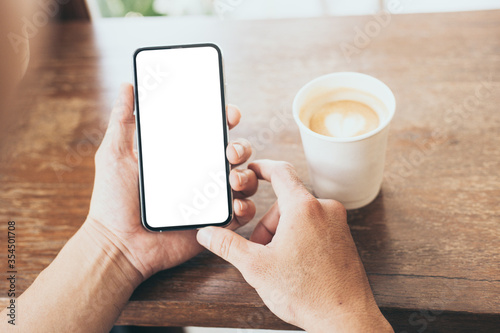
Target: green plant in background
120, 8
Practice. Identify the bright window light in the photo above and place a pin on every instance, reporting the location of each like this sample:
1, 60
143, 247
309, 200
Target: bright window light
272, 9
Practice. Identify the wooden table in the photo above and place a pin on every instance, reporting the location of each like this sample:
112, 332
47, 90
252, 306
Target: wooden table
430, 241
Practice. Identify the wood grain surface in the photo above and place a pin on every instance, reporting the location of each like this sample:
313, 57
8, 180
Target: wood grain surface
430, 242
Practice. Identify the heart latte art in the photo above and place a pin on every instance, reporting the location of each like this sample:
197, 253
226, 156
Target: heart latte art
343, 119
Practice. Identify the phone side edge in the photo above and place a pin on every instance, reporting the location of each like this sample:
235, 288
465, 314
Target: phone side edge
142, 202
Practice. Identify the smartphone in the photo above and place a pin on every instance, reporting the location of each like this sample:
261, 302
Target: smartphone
182, 137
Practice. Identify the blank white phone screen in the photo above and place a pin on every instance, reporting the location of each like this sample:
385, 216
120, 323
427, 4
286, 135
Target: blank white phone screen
182, 137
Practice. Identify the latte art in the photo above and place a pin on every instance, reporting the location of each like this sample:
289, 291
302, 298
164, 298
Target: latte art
342, 113
344, 119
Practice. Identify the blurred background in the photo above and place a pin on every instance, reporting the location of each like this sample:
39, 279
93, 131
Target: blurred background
101, 10
262, 9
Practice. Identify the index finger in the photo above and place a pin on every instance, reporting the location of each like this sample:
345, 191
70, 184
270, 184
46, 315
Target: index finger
286, 183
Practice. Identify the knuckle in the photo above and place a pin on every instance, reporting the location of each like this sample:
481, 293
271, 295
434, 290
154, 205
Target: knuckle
340, 210
310, 206
334, 211
335, 207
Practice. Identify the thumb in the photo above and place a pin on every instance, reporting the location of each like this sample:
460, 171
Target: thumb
228, 245
121, 128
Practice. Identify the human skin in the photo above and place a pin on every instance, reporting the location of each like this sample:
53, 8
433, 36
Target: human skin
87, 285
301, 259
305, 265
14, 47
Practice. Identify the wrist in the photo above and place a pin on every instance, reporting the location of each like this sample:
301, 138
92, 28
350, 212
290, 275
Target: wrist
363, 321
84, 288
110, 253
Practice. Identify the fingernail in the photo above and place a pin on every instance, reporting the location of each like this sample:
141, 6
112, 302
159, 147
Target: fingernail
204, 237
240, 150
242, 177
243, 205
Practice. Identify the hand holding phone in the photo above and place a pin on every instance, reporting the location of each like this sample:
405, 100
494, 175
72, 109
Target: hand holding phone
182, 137
115, 209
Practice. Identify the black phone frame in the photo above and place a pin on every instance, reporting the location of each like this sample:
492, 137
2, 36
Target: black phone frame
139, 143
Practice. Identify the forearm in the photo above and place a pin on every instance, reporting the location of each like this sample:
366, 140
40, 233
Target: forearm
83, 290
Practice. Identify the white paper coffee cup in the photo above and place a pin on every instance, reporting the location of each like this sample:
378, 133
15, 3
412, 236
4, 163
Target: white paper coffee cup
349, 170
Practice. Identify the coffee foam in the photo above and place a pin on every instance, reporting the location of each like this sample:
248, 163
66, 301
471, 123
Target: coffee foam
343, 113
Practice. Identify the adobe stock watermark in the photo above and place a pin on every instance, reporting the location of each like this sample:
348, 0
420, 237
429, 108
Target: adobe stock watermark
454, 117
32, 25
280, 121
151, 79
363, 36
204, 196
75, 156
421, 319
222, 7
87, 146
